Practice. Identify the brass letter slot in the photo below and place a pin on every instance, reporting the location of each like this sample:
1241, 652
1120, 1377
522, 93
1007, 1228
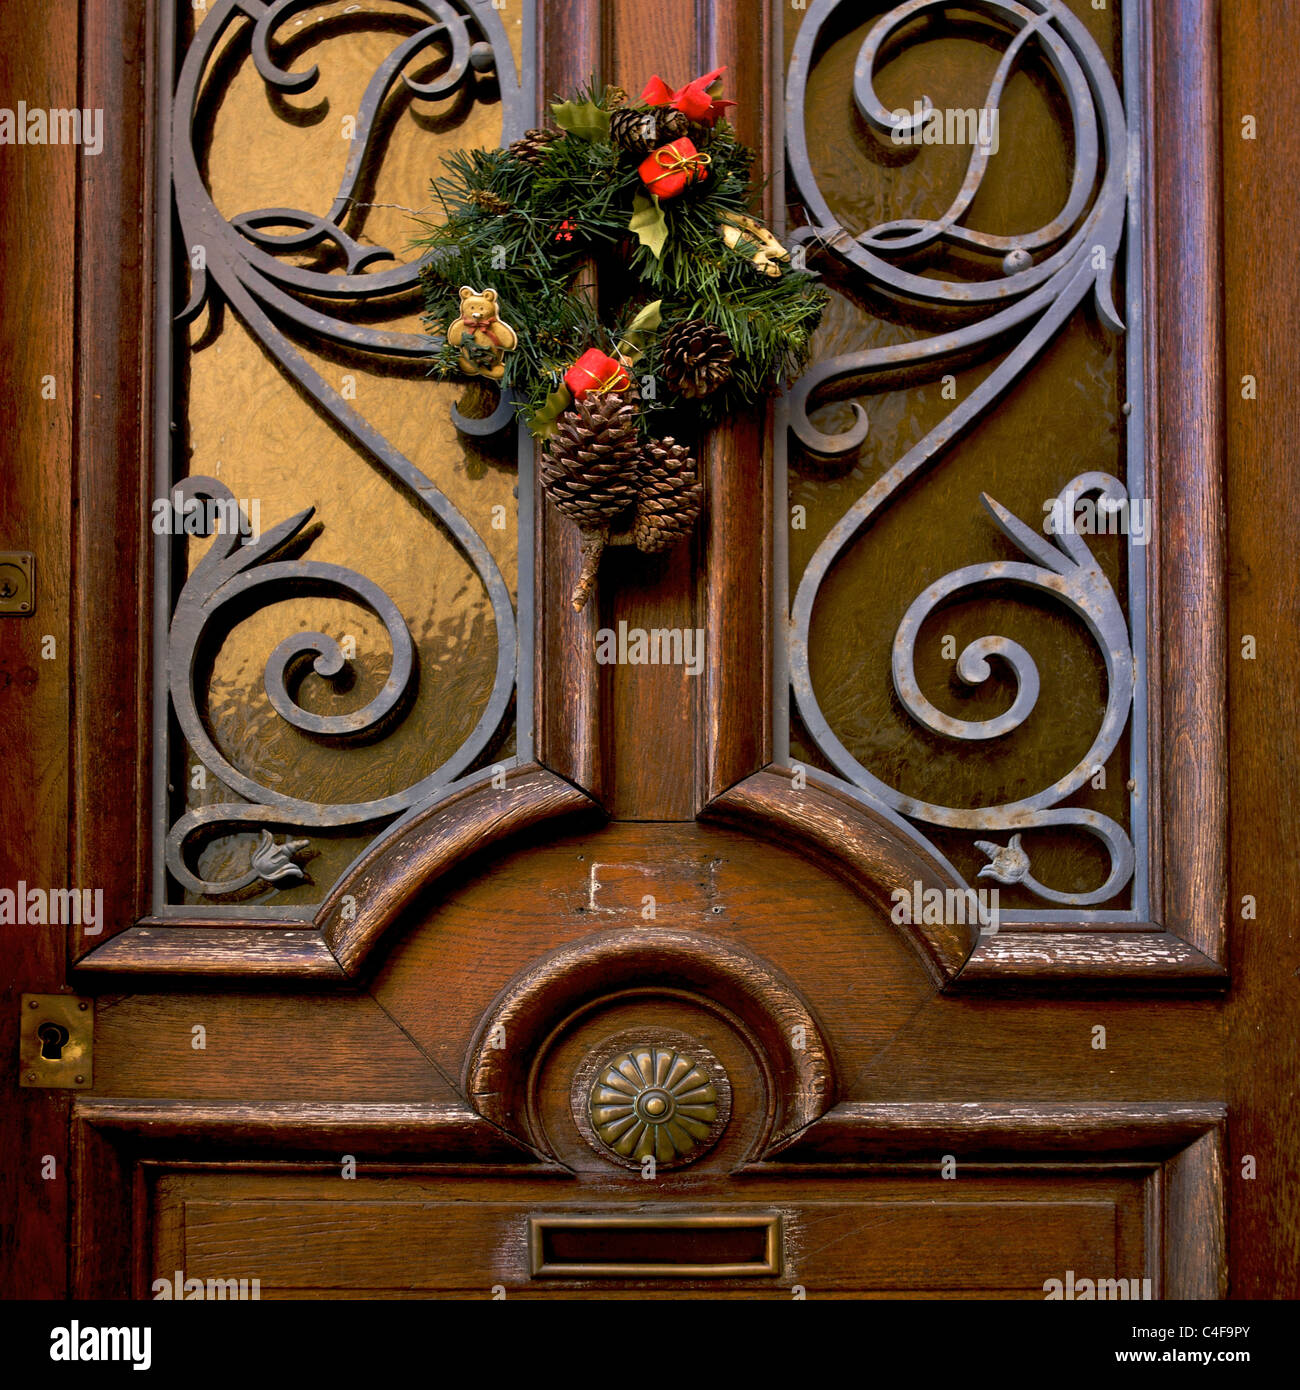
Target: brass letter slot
664, 1247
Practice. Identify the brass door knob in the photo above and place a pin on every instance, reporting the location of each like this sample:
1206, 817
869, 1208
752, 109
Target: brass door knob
666, 1098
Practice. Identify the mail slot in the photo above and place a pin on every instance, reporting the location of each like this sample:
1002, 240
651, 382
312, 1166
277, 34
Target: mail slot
663, 1247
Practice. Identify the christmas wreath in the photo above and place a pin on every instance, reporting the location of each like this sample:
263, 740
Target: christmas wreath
702, 311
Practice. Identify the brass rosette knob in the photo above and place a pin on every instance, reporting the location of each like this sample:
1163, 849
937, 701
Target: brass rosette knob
654, 1101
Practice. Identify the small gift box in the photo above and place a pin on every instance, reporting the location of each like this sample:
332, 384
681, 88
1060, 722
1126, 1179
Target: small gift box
595, 372
671, 168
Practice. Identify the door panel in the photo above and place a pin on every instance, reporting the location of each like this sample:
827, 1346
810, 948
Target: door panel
382, 1090
852, 1086
871, 1237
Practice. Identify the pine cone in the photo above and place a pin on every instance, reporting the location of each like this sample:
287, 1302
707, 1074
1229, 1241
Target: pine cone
531, 147
590, 470
671, 124
696, 359
671, 496
487, 200
634, 131
615, 98
589, 465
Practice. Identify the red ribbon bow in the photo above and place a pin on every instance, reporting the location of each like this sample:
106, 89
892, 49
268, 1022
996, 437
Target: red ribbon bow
695, 99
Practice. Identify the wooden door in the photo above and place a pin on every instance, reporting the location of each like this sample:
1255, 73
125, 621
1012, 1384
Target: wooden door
376, 1077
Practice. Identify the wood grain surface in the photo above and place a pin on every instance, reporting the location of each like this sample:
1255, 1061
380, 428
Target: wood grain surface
112, 473
37, 338
1263, 328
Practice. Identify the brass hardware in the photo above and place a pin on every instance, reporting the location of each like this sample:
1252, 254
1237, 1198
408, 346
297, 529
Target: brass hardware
664, 1097
655, 1247
56, 1041
17, 583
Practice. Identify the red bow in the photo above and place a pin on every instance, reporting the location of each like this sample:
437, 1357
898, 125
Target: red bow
695, 99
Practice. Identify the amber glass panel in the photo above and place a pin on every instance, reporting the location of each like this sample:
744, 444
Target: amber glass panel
1062, 418
249, 425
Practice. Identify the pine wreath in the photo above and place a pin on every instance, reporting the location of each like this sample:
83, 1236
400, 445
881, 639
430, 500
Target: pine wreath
713, 314
527, 220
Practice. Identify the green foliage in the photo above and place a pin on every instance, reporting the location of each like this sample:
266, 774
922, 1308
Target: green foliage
649, 224
585, 202
584, 119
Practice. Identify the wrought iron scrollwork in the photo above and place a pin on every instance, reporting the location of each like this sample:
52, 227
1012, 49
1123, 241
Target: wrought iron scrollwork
1034, 282
238, 262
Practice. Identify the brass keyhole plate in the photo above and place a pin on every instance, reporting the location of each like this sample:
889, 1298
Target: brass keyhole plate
65, 1025
17, 587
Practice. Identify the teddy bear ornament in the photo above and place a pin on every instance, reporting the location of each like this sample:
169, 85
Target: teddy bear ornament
482, 337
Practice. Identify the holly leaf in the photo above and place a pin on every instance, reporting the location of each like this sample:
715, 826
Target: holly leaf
632, 345
584, 119
542, 423
649, 223
648, 319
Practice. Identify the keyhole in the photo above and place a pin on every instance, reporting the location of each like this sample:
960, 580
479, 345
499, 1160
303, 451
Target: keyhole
53, 1037
7, 588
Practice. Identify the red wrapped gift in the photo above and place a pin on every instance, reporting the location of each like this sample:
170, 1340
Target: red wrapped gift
670, 168
596, 373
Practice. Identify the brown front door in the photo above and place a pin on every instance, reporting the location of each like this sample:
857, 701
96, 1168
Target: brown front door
896, 947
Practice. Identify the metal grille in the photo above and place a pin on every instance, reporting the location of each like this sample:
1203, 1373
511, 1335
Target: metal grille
304, 283
963, 295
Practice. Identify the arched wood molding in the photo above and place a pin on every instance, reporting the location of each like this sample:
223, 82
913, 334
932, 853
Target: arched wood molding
538, 1001
869, 852
385, 882
362, 907
858, 844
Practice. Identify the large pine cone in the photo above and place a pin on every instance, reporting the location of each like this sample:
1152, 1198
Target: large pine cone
590, 464
634, 131
671, 496
696, 359
532, 145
